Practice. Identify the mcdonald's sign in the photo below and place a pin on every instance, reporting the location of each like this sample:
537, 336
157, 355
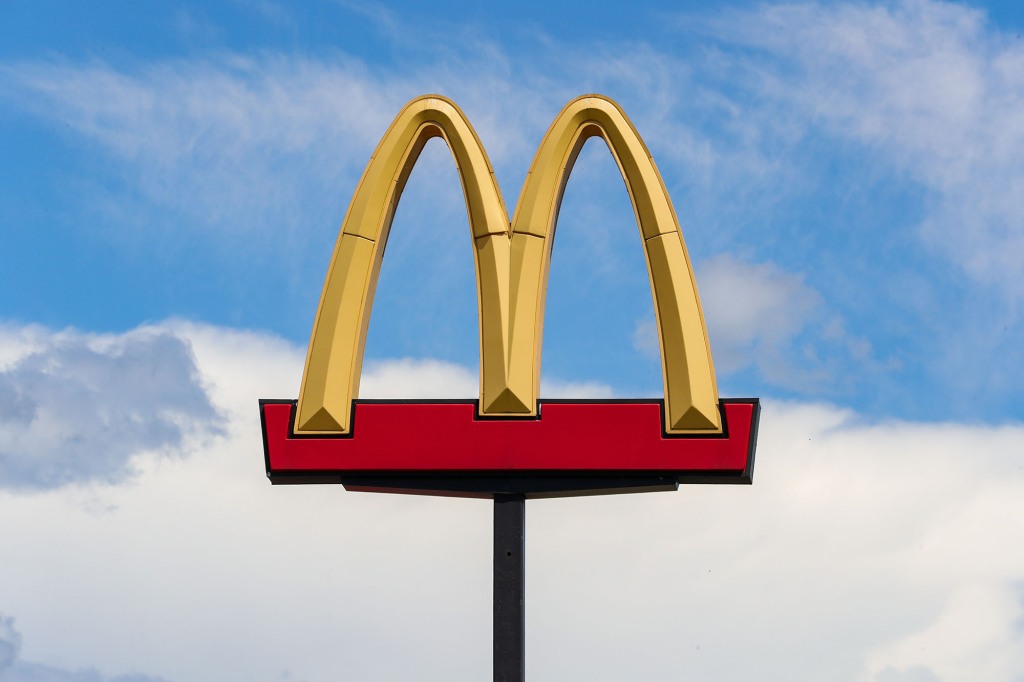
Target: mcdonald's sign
508, 441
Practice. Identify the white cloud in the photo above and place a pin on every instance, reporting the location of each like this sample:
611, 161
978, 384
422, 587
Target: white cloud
10, 643
426, 378
753, 311
18, 341
414, 378
14, 670
760, 316
856, 544
553, 388
76, 408
976, 635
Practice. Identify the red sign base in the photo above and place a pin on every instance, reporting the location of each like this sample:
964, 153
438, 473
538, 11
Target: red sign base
573, 448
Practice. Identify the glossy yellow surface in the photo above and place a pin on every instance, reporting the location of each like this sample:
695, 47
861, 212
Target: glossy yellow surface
512, 263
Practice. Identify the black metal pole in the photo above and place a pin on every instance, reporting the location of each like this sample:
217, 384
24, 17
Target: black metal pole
509, 588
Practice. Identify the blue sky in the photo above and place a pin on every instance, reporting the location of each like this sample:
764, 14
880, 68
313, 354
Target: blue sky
849, 178
195, 162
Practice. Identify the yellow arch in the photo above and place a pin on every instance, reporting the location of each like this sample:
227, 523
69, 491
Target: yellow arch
512, 264
691, 392
330, 379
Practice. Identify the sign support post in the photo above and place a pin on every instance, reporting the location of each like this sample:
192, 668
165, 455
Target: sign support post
509, 588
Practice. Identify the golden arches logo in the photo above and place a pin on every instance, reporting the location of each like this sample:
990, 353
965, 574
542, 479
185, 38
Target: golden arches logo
512, 261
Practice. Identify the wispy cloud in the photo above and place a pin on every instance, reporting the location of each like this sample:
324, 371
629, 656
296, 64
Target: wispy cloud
930, 89
229, 144
243, 143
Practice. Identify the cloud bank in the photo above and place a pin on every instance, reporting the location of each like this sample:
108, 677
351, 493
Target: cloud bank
863, 551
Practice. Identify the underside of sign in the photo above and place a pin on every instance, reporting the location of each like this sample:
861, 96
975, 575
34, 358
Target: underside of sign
570, 448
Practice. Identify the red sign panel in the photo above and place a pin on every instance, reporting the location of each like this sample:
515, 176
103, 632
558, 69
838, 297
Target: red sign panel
444, 446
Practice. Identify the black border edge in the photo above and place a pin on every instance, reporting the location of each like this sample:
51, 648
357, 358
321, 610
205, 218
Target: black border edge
541, 486
263, 430
755, 422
